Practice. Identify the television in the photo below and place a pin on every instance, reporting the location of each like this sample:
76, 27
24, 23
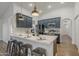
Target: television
25, 23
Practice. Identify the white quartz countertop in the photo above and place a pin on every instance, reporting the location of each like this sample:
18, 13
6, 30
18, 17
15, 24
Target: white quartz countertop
45, 38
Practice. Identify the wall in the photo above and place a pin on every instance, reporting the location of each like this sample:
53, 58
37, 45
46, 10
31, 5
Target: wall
6, 23
76, 26
64, 12
0, 29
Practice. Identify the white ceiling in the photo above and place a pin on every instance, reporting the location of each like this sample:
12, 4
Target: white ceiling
43, 6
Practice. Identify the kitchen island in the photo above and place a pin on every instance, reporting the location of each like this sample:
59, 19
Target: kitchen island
43, 41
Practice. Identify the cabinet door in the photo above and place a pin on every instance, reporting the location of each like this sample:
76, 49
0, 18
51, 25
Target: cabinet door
25, 23
20, 23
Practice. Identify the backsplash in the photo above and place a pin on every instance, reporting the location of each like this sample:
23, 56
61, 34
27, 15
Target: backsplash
22, 30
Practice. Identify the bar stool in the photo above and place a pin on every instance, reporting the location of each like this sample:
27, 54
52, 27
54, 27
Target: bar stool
14, 48
26, 49
9, 46
39, 52
19, 45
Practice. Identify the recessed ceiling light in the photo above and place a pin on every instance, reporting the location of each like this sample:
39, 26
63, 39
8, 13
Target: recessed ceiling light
30, 4
62, 2
40, 11
49, 6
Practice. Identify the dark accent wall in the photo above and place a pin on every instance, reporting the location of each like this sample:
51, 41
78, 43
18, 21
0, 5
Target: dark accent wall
55, 20
26, 23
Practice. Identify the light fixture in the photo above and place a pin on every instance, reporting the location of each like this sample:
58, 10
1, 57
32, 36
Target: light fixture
49, 6
21, 17
30, 4
35, 12
62, 2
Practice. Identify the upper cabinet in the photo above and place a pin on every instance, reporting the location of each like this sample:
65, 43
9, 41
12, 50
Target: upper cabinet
51, 22
23, 21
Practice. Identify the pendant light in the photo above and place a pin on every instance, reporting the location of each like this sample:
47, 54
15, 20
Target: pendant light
35, 12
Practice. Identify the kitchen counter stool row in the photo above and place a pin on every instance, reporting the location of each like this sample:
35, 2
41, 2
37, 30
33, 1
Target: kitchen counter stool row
18, 48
